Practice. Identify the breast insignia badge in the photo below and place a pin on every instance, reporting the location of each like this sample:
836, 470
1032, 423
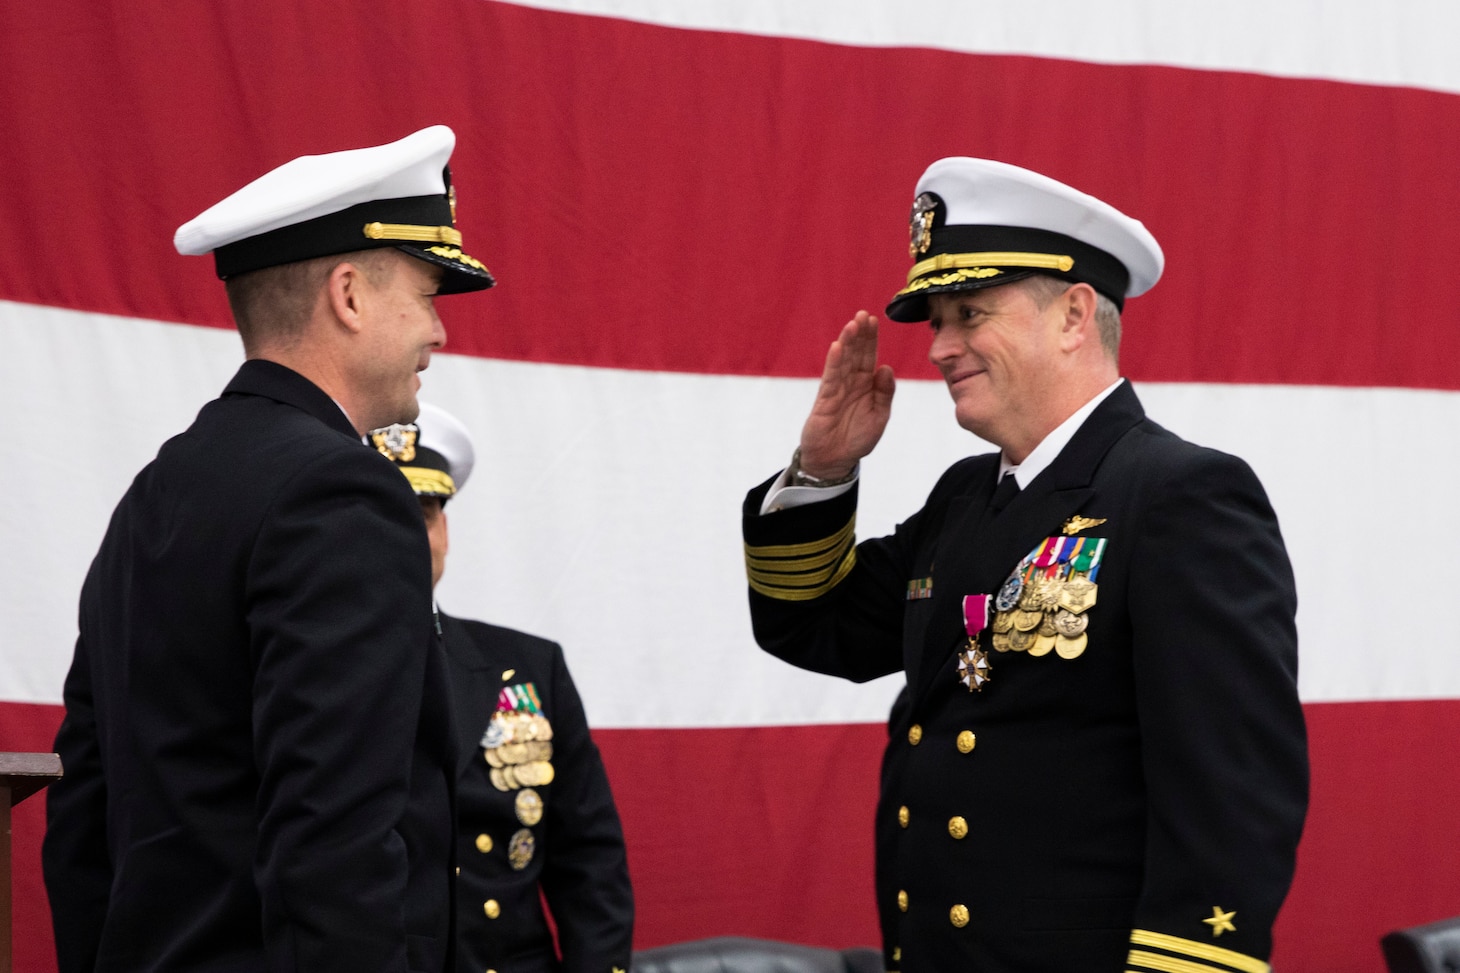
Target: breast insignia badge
1077, 523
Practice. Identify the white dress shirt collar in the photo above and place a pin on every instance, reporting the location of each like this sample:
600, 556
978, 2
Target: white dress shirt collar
1050, 447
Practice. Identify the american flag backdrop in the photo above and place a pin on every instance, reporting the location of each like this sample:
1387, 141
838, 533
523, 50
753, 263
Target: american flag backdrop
683, 200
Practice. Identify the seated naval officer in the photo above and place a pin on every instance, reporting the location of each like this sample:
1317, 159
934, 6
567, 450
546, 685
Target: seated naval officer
535, 816
1101, 761
258, 769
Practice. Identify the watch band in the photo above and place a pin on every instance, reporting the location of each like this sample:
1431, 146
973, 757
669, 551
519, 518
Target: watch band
798, 477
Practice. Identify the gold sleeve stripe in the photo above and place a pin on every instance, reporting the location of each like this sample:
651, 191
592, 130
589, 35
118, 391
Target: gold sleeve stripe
798, 550
1169, 964
795, 578
807, 594
1204, 951
797, 563
953, 261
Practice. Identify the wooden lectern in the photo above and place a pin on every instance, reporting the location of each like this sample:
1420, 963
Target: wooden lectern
21, 775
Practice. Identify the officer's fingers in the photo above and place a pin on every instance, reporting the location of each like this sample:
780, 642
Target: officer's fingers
883, 382
860, 336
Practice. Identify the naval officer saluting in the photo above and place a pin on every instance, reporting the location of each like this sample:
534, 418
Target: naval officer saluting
259, 758
1101, 761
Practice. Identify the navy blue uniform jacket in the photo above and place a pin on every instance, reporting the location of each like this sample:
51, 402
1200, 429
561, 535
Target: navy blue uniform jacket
578, 859
252, 779
1094, 813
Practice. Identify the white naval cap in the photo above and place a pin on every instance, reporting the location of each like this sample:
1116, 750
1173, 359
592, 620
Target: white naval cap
435, 452
980, 223
395, 195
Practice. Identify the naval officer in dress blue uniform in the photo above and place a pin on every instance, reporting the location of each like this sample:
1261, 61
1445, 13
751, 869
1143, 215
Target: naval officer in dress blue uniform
1100, 763
535, 815
259, 762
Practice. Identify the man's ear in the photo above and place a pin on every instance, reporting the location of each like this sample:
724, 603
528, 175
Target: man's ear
347, 290
1078, 307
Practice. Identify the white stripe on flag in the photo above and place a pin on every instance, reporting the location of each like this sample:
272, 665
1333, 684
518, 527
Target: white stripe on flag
1406, 42
605, 510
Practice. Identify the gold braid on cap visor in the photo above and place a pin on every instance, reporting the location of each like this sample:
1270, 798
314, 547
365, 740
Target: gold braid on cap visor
413, 233
429, 482
978, 266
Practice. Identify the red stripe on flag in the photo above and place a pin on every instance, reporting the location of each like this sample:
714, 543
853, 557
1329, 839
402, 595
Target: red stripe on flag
767, 831
656, 198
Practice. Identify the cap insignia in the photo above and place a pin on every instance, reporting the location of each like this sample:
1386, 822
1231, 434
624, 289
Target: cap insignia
920, 225
451, 198
396, 443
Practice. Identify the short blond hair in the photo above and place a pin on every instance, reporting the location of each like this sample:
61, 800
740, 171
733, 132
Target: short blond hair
272, 306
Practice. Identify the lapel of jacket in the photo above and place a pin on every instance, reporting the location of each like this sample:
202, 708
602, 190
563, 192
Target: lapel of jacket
475, 683
979, 550
274, 381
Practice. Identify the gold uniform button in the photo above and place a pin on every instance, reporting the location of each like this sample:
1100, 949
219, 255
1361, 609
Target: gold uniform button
958, 827
967, 741
484, 843
914, 734
902, 900
897, 954
902, 815
958, 915
491, 908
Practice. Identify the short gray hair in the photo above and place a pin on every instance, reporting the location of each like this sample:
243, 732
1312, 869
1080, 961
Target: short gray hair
1044, 288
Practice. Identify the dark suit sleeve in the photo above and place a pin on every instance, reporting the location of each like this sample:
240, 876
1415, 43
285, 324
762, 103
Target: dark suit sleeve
818, 600
1223, 741
77, 866
339, 606
586, 874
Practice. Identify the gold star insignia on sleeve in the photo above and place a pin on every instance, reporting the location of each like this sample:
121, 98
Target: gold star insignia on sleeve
1221, 921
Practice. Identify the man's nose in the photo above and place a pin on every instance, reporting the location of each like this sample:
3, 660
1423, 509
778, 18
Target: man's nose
943, 348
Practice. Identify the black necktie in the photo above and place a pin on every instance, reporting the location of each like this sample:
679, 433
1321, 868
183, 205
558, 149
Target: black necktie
1004, 492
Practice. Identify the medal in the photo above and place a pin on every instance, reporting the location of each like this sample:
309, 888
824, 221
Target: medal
1070, 648
1003, 621
520, 850
1009, 593
1026, 621
973, 661
528, 806
1078, 594
1001, 642
1042, 645
1068, 624
1021, 641
494, 736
